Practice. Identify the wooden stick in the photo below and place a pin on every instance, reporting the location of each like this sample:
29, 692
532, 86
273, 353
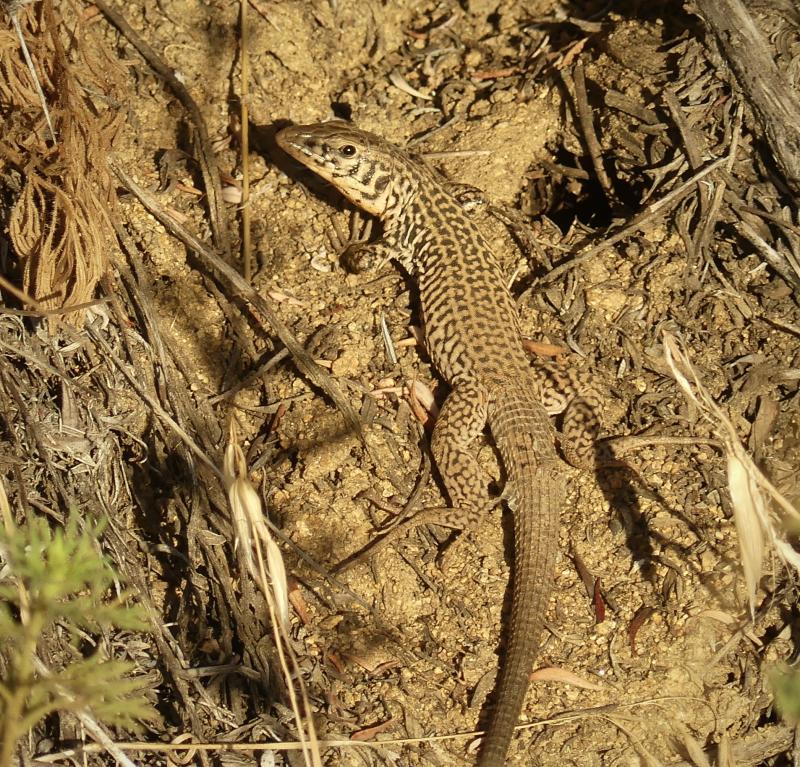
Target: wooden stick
775, 103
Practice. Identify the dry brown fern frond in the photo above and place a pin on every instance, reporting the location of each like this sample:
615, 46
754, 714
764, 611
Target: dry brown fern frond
59, 223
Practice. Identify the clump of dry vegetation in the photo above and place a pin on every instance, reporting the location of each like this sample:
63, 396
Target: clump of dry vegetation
60, 193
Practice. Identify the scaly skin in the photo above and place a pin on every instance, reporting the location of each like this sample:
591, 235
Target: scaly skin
473, 337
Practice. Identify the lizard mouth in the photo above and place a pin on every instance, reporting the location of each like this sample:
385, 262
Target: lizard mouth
302, 146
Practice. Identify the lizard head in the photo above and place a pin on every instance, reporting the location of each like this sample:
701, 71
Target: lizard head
361, 165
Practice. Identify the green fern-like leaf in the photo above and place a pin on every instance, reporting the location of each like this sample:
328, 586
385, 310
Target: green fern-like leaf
60, 576
786, 684
104, 686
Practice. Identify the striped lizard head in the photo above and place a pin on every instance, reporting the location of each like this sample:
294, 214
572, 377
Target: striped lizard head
361, 165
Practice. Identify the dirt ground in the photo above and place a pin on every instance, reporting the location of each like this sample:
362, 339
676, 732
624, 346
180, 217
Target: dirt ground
651, 656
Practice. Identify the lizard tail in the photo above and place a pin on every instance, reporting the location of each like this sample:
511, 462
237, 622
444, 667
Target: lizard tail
534, 493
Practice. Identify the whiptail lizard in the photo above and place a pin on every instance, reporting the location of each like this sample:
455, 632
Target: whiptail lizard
473, 337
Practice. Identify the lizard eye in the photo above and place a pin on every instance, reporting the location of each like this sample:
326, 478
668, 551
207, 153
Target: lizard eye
348, 150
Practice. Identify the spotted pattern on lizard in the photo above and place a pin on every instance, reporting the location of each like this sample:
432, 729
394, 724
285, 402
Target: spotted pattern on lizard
474, 339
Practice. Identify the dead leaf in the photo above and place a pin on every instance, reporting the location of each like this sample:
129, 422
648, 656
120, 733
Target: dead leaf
599, 603
562, 676
642, 614
368, 733
541, 349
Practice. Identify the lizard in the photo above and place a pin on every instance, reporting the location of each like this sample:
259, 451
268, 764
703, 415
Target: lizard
473, 337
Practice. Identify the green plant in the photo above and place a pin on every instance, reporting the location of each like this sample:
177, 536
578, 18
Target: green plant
58, 576
786, 685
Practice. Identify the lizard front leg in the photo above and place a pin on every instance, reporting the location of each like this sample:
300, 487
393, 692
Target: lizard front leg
361, 257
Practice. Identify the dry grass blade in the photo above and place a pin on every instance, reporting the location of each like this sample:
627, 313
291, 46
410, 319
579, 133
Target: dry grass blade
244, 52
748, 510
724, 752
254, 536
748, 486
5, 509
694, 749
251, 531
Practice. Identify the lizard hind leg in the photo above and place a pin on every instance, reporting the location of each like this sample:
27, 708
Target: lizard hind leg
580, 430
461, 420
565, 390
